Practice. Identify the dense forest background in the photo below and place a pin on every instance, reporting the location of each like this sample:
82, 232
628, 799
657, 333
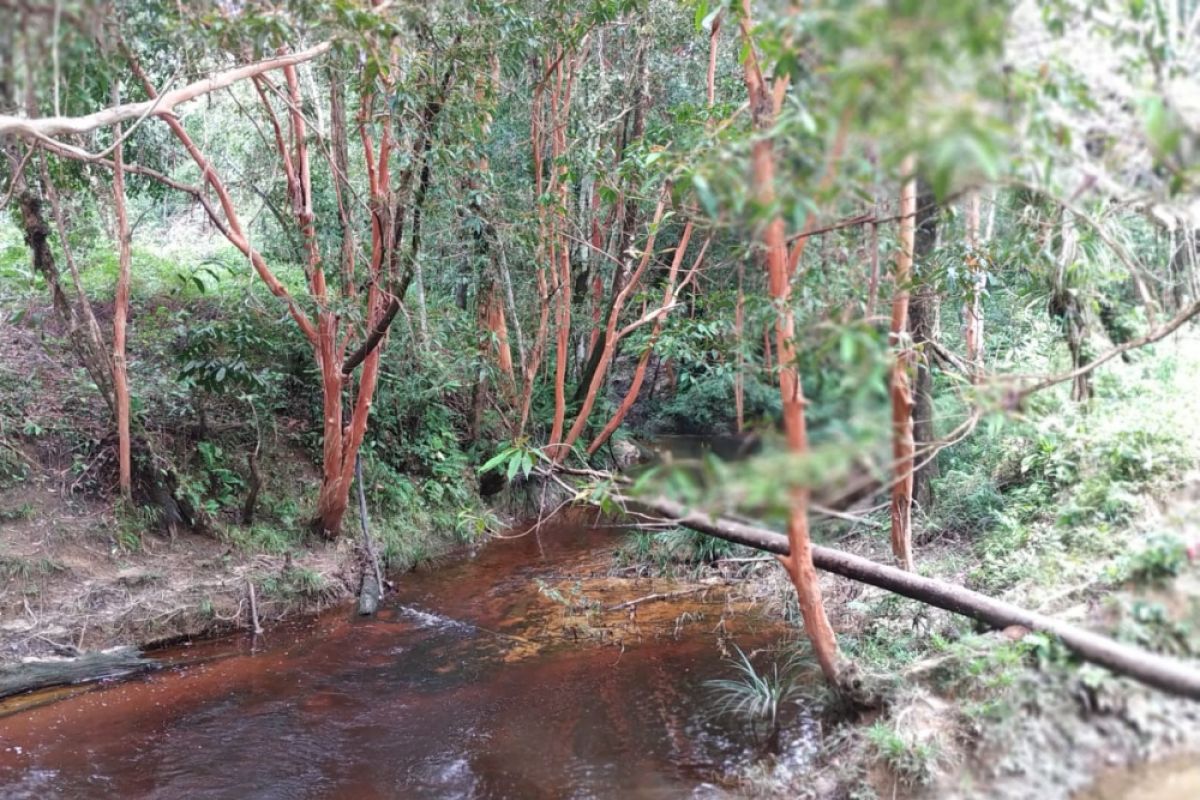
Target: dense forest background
928, 268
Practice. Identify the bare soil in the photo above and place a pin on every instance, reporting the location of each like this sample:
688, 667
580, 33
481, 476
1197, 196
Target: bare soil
66, 584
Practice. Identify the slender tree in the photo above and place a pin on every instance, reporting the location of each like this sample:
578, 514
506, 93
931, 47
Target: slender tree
901, 387
924, 325
780, 265
976, 278
121, 312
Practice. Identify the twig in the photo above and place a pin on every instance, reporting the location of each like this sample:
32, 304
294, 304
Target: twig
657, 596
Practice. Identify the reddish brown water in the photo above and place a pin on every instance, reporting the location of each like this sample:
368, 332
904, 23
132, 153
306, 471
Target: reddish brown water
471, 683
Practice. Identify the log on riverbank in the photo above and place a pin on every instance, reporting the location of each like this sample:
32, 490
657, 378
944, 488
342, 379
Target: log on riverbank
42, 673
1151, 669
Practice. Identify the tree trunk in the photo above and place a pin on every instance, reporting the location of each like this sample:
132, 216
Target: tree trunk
1066, 305
901, 389
91, 353
873, 276
611, 336
977, 276
120, 314
559, 252
28, 676
639, 374
628, 224
924, 325
739, 375
798, 562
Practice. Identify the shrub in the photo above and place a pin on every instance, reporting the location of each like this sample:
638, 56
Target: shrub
1161, 558
704, 405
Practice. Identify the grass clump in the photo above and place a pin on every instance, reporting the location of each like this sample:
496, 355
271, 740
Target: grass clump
665, 552
914, 762
17, 568
25, 511
294, 583
264, 538
758, 697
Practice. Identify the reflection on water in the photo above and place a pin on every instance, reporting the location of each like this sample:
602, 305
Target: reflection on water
460, 688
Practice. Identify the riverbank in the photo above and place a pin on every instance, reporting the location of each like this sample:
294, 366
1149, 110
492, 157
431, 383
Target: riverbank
968, 714
1081, 513
70, 585
81, 570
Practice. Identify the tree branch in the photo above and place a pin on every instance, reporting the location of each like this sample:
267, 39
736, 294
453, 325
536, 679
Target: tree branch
161, 106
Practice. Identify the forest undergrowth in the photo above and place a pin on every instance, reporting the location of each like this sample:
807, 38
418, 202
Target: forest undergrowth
1090, 513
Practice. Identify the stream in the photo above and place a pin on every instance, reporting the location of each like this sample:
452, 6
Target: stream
507, 673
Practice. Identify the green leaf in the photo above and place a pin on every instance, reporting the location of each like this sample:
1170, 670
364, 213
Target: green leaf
846, 346
1162, 126
705, 194
514, 464
495, 460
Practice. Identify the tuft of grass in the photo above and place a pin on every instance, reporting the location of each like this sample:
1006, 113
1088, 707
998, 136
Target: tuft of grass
15, 568
264, 538
913, 762
754, 696
294, 583
24, 511
1161, 558
665, 551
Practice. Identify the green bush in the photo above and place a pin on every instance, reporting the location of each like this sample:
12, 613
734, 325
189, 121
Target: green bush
705, 405
1161, 558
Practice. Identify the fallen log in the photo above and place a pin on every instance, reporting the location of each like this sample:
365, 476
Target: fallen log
1151, 669
42, 673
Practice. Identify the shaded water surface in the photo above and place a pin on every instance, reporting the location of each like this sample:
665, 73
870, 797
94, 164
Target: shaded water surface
471, 683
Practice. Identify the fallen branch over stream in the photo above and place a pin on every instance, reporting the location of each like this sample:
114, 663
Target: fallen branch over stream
28, 676
1151, 669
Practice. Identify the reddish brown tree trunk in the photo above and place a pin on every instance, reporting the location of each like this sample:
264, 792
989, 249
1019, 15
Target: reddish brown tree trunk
611, 335
340, 445
799, 564
120, 315
534, 361
901, 389
560, 270
639, 374
714, 40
